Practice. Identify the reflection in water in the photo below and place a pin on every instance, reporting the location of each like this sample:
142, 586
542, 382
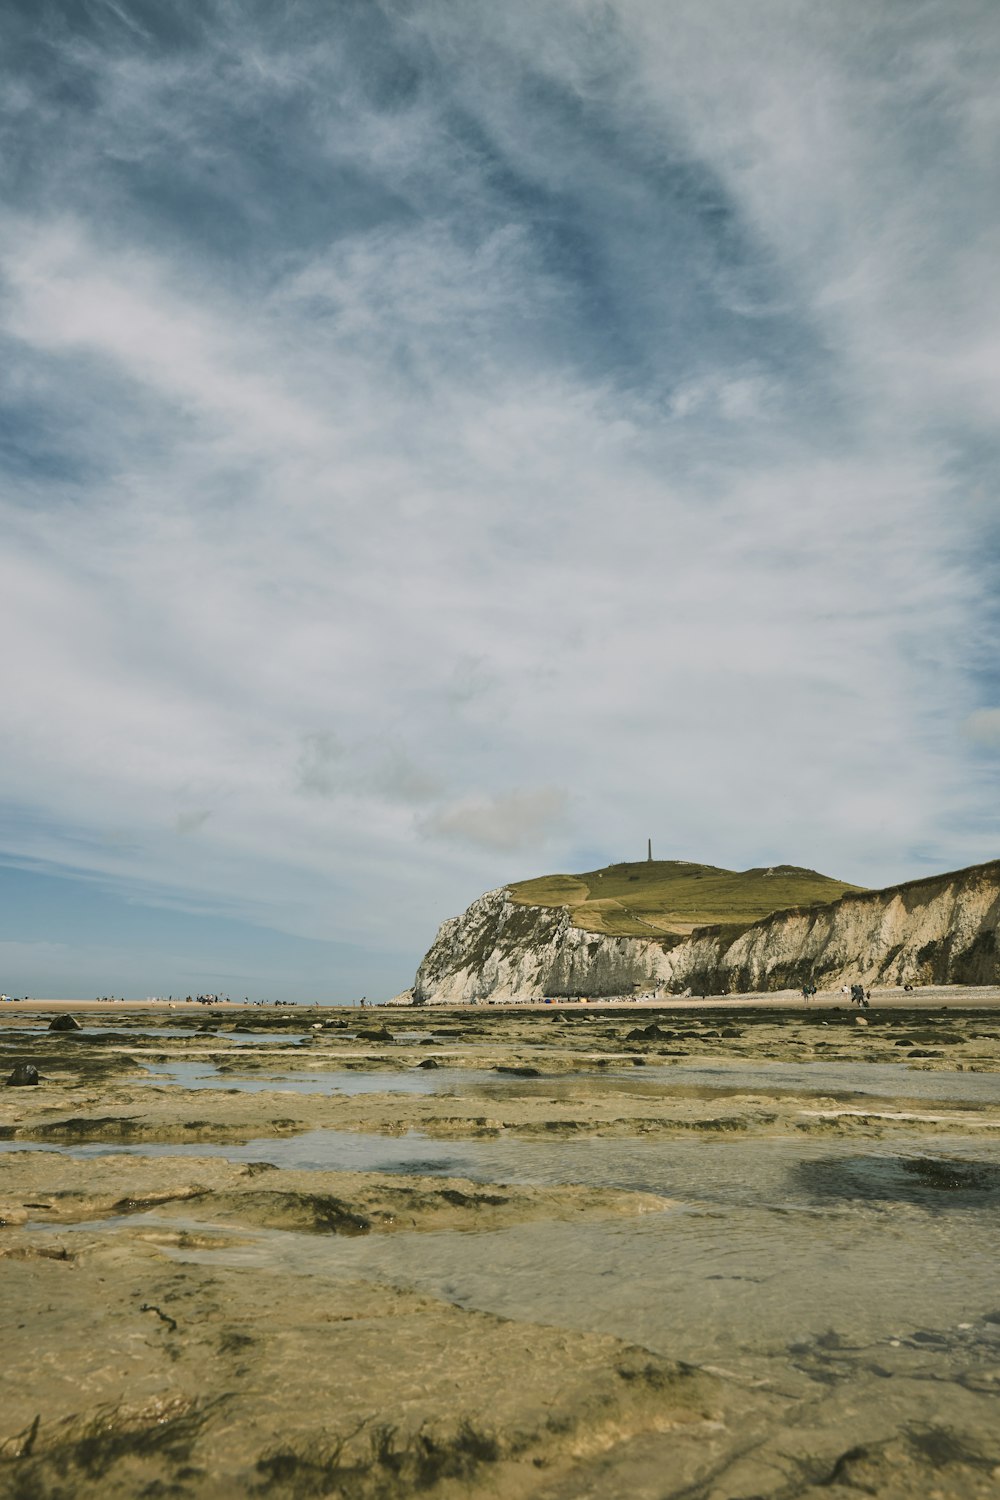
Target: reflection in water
844, 1082
206, 1075
896, 1081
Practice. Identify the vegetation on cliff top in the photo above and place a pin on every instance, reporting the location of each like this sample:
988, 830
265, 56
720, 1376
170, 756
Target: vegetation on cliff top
669, 896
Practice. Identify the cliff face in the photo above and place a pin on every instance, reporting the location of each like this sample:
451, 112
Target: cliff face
499, 949
940, 930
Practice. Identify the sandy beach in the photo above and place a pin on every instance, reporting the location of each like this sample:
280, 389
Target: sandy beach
702, 1250
923, 996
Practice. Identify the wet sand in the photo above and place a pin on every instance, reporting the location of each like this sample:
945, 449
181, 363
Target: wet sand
555, 1253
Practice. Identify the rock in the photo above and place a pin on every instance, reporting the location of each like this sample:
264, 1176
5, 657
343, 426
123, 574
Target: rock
375, 1034
860, 1021
23, 1075
651, 1033
65, 1022
428, 1062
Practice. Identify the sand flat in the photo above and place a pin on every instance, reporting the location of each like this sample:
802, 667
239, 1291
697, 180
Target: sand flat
747, 1252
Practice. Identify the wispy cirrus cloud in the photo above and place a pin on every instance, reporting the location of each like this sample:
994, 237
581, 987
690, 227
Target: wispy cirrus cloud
402, 407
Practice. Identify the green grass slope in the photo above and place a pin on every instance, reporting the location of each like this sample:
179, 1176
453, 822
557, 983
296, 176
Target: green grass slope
670, 898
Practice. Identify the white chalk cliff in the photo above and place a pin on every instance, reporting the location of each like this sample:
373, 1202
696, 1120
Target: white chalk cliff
942, 930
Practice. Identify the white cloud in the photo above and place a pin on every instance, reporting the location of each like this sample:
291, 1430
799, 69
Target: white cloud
983, 727
522, 819
319, 768
191, 822
450, 500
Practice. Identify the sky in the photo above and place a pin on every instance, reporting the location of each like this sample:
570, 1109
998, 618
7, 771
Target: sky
443, 443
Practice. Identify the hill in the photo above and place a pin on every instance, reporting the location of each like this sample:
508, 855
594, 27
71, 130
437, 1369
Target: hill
530, 941
671, 898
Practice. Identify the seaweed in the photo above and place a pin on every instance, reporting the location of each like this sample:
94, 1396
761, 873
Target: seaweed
42, 1465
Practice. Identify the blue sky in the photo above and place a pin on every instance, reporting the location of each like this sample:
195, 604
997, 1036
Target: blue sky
443, 443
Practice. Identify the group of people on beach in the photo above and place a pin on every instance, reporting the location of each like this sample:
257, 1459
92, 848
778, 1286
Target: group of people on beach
858, 994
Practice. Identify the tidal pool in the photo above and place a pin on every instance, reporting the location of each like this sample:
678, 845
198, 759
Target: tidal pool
845, 1082
780, 1259
770, 1250
207, 1075
875, 1080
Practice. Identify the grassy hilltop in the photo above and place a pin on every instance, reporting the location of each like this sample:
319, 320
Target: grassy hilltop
671, 897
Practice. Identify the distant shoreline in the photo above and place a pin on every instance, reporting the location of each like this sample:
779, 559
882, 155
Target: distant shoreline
980, 997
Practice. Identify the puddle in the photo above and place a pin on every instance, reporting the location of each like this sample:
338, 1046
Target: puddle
847, 1083
752, 1264
703, 1285
124, 1032
774, 1175
206, 1075
773, 1242
870, 1080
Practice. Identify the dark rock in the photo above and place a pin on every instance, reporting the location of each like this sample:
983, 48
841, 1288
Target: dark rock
951, 1174
23, 1075
517, 1072
65, 1022
428, 1062
376, 1034
650, 1033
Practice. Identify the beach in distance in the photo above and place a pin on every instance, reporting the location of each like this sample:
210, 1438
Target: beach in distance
987, 996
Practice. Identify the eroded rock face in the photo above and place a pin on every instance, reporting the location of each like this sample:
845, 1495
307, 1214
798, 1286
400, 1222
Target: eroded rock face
499, 948
942, 930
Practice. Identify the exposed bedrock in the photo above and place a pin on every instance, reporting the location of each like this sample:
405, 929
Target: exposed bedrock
940, 930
